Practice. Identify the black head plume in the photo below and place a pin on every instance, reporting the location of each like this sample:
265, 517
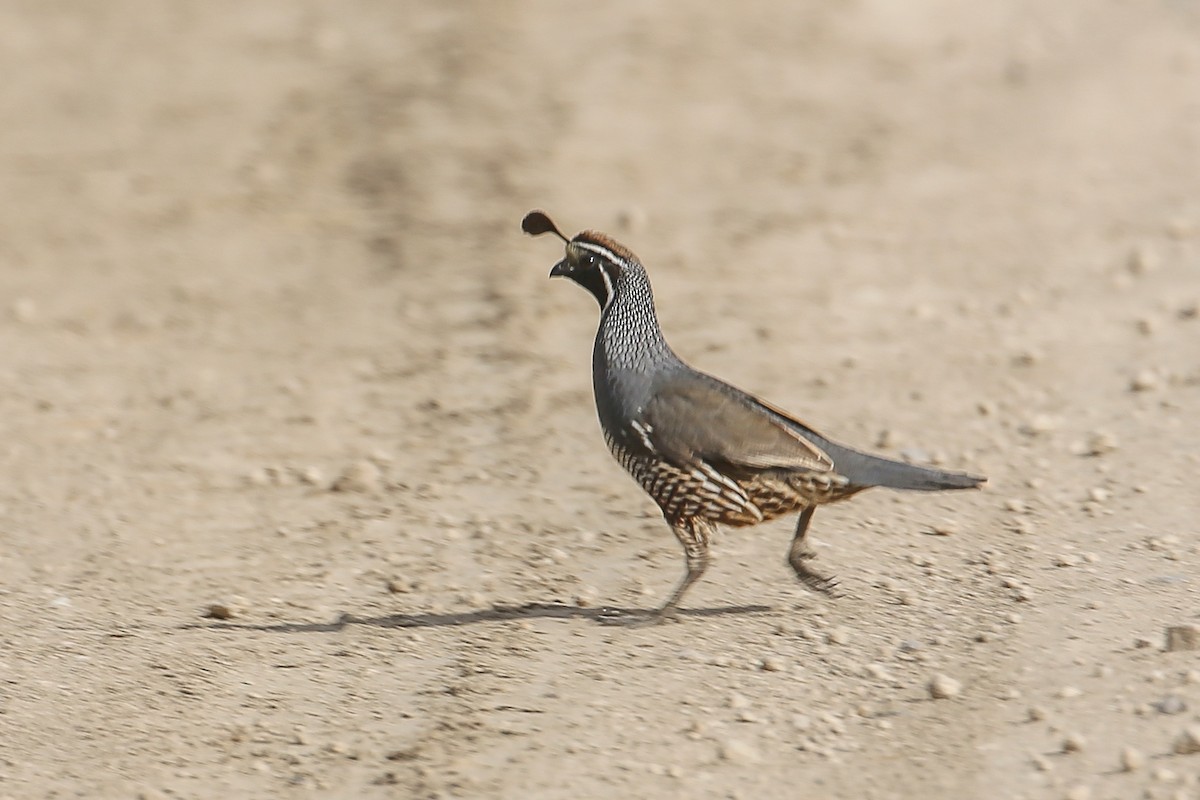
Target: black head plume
536, 223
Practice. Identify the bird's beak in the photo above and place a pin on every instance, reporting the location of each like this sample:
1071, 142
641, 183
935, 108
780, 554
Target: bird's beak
559, 269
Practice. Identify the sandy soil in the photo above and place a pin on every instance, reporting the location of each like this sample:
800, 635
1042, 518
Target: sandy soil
274, 343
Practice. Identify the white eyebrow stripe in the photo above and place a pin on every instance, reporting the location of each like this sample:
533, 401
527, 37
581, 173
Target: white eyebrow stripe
604, 251
608, 256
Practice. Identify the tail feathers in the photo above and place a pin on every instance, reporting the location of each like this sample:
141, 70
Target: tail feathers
867, 470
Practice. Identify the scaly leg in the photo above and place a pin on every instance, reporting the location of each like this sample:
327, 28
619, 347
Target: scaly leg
693, 534
799, 554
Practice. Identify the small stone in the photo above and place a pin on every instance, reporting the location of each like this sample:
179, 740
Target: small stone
943, 687
312, 476
362, 476
738, 701
1165, 775
772, 664
1016, 505
877, 671
1192, 676
838, 636
1036, 714
737, 751
259, 476
947, 528
1142, 259
1171, 704
1188, 742
1073, 742
1143, 643
1132, 759
1066, 560
1098, 494
1144, 381
1101, 443
1069, 692
1183, 637
1078, 792
220, 611
1039, 425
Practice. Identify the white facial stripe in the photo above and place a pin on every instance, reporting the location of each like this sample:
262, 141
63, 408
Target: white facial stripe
608, 256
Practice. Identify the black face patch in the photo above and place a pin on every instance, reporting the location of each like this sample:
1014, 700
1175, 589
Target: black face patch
590, 266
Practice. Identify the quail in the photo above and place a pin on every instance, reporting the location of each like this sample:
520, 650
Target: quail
706, 452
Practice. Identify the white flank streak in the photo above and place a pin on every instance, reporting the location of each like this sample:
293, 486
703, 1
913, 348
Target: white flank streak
644, 432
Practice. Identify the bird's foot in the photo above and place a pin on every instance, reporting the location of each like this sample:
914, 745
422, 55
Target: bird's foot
814, 580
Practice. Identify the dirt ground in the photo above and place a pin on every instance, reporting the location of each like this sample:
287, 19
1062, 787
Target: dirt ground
275, 350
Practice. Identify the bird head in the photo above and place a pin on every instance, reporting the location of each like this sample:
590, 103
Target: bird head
593, 260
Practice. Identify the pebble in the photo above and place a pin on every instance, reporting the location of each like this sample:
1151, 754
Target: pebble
838, 635
312, 476
947, 528
1073, 742
1183, 637
259, 477
1069, 692
1132, 759
1171, 704
1015, 505
220, 611
1188, 742
1098, 494
1142, 260
1144, 381
943, 687
361, 476
1165, 775
1066, 560
737, 751
738, 701
1036, 714
1100, 443
1078, 792
772, 664
1039, 424
877, 671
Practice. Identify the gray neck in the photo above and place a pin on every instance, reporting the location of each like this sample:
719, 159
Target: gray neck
629, 338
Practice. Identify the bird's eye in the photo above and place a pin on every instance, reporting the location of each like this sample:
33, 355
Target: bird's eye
591, 261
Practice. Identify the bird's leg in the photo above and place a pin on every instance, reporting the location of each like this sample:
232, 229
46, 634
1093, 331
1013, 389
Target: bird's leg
693, 534
799, 554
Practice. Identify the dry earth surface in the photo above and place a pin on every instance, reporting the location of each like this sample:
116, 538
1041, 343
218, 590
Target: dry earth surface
275, 350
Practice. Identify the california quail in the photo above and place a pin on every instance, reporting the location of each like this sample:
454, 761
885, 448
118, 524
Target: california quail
705, 451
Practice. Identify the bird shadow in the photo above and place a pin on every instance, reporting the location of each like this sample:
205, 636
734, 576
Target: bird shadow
603, 615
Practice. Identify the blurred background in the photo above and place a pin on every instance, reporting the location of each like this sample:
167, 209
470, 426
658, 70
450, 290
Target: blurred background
275, 350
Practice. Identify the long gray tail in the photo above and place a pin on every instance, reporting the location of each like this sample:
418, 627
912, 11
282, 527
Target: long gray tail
867, 470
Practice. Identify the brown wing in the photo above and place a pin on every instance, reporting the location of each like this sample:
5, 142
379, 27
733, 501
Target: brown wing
694, 419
